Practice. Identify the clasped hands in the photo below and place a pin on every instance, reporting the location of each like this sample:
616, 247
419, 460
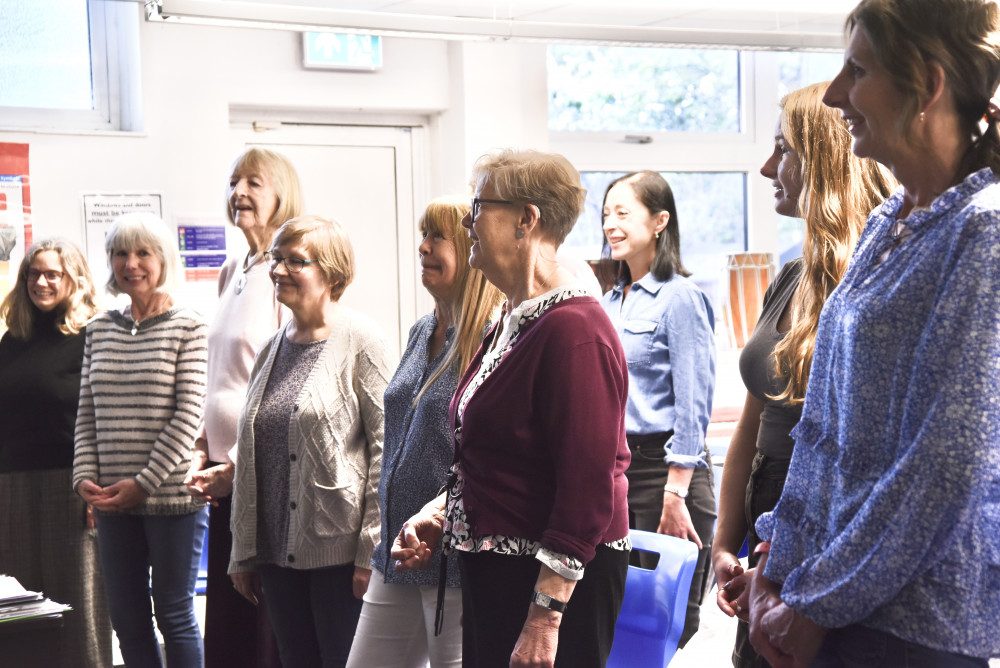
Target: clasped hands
786, 638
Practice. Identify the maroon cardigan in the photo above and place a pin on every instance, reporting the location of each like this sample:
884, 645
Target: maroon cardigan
543, 452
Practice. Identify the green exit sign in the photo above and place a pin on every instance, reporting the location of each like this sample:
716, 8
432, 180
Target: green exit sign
341, 51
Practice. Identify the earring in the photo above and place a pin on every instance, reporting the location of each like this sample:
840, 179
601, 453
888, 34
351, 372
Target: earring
657, 235
923, 117
519, 233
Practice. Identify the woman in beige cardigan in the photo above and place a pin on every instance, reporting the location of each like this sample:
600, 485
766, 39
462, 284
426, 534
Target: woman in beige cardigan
305, 516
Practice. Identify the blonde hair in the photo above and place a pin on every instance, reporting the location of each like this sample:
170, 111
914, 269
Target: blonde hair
547, 180
327, 240
476, 300
19, 312
284, 180
133, 231
839, 190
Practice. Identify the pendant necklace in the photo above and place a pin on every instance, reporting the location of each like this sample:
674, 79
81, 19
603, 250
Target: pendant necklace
249, 263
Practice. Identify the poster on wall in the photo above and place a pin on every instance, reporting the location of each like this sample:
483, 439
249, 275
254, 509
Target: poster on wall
99, 211
15, 212
202, 243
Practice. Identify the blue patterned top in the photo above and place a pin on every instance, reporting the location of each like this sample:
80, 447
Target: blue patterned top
418, 449
891, 513
667, 331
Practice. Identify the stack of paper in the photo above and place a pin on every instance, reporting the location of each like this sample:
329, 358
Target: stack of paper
17, 603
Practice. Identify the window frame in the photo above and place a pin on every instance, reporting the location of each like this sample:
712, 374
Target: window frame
113, 46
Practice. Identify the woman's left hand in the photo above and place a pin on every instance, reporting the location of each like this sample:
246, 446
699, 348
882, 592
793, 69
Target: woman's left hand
539, 639
362, 576
781, 635
675, 519
121, 495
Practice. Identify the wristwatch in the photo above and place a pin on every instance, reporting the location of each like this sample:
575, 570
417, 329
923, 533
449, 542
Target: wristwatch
546, 601
676, 489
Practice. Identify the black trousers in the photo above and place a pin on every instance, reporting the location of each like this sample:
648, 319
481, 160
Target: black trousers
646, 476
496, 593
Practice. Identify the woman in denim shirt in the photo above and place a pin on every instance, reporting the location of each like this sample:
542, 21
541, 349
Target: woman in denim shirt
666, 325
884, 549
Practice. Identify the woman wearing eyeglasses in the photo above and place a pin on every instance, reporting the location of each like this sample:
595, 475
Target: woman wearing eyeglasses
305, 516
47, 543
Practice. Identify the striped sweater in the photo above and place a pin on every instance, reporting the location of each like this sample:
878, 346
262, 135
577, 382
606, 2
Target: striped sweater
142, 392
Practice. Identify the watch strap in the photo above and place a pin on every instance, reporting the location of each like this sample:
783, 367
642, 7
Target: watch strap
546, 601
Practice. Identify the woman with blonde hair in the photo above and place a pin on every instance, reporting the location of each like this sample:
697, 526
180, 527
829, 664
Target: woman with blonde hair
48, 544
817, 178
262, 193
398, 617
305, 505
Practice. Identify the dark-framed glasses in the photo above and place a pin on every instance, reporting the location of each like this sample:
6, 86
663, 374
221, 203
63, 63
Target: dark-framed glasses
478, 202
293, 264
50, 276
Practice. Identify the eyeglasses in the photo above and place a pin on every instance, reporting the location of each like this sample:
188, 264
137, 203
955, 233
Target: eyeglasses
478, 202
293, 264
50, 276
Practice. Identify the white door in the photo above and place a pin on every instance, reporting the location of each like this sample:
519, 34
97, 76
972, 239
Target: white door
362, 177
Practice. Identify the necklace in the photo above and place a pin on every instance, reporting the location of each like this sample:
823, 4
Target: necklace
249, 263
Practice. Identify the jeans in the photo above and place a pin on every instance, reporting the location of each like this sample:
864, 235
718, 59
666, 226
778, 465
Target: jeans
646, 476
313, 612
858, 646
169, 545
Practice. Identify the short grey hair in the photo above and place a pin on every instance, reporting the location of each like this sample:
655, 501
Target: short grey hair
132, 231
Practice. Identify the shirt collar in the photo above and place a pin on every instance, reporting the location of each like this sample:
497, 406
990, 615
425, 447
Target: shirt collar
649, 283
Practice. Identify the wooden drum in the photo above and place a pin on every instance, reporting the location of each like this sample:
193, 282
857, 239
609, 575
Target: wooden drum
747, 276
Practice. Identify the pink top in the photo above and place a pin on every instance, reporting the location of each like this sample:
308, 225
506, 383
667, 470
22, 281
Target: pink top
243, 322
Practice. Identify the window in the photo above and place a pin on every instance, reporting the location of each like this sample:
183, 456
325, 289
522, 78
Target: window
59, 63
711, 213
633, 89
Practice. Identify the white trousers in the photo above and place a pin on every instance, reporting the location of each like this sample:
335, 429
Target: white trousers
396, 629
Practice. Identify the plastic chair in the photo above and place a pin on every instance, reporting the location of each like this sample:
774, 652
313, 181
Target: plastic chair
652, 617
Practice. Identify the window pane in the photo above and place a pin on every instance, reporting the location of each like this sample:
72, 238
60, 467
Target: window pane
45, 54
633, 89
711, 208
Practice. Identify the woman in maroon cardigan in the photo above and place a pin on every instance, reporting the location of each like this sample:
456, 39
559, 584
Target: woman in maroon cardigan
536, 505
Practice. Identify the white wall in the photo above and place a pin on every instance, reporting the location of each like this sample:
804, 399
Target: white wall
190, 77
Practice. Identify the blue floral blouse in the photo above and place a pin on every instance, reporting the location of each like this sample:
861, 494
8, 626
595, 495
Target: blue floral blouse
891, 513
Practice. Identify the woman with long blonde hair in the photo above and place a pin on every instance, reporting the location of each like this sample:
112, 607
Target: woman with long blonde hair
817, 178
397, 620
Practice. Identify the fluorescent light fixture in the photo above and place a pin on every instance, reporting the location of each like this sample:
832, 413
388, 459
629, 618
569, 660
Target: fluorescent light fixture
305, 17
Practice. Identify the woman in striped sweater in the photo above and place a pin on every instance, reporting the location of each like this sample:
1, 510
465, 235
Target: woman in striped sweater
141, 396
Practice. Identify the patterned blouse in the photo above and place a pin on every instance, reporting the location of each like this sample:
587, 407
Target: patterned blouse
891, 513
456, 529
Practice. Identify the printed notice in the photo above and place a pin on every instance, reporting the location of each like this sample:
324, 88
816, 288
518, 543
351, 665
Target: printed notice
100, 210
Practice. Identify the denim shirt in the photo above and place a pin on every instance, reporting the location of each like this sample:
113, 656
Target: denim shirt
418, 448
891, 513
667, 331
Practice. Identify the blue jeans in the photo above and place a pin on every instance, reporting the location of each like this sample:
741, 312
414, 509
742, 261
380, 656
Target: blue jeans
170, 545
313, 612
858, 646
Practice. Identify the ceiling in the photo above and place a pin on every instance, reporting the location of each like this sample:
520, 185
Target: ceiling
780, 24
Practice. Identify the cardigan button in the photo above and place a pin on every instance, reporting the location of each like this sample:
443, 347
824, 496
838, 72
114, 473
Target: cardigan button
292, 504
291, 559
292, 457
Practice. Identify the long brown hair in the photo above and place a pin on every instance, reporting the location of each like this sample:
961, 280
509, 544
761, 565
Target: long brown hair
19, 312
839, 190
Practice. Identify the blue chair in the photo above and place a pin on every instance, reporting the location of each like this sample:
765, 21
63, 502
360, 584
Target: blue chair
652, 617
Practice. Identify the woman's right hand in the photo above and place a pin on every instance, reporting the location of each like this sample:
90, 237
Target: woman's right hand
733, 592
248, 585
91, 492
419, 537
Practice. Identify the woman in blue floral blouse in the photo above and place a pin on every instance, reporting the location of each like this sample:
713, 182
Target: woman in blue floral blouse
884, 549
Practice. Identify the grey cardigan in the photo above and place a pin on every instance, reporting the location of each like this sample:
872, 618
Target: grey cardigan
335, 450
